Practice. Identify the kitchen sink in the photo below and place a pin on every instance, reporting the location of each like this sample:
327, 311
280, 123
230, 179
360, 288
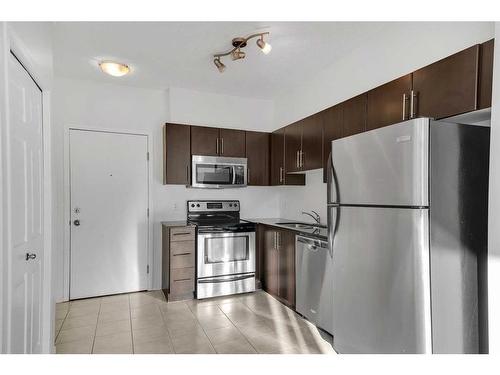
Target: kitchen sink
297, 225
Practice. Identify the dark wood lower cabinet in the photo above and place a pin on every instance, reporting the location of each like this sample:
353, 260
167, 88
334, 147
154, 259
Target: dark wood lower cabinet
278, 264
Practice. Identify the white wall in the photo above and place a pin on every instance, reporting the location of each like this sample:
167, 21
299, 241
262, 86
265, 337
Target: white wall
401, 50
107, 106
203, 108
494, 210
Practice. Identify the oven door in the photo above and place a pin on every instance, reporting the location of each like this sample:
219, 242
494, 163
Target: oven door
218, 172
225, 253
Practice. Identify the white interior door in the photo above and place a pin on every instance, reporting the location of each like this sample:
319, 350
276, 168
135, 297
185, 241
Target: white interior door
26, 193
109, 220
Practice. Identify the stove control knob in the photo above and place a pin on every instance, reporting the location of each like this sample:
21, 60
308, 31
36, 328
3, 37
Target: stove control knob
230, 205
198, 205
192, 204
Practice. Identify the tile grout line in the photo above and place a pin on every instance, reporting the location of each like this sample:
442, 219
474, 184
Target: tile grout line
96, 323
203, 329
166, 328
130, 317
60, 328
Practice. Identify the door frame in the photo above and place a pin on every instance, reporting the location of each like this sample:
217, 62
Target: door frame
67, 201
10, 41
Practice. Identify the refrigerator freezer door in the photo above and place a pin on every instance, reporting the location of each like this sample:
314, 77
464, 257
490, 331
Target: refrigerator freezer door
381, 282
386, 166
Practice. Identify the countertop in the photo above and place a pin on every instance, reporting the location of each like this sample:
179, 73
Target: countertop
318, 233
178, 223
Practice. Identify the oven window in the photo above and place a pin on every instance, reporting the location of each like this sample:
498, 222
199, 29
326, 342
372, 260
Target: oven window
226, 249
214, 174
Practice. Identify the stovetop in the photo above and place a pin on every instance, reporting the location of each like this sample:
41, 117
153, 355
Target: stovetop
217, 216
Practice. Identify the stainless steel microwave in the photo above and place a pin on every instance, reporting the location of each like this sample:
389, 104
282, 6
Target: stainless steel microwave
218, 172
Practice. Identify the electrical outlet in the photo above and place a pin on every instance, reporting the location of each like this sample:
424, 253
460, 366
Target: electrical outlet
175, 206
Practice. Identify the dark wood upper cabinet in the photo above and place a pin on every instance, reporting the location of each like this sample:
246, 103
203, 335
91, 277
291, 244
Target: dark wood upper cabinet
389, 104
293, 145
278, 173
177, 154
278, 157
257, 153
312, 143
204, 141
332, 129
232, 143
447, 87
354, 116
485, 73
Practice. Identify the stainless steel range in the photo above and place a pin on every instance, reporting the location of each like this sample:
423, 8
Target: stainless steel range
225, 248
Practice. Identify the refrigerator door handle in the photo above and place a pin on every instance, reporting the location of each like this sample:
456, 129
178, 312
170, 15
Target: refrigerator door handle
332, 183
333, 225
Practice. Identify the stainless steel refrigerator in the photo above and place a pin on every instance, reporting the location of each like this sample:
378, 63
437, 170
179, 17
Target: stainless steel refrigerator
407, 216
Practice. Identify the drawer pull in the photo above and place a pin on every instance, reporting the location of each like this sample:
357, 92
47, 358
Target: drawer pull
181, 233
176, 255
188, 279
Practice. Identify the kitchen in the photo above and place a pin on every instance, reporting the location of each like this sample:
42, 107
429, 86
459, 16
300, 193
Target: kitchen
229, 206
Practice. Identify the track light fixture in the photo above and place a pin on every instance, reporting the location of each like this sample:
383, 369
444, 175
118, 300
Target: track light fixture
237, 54
219, 64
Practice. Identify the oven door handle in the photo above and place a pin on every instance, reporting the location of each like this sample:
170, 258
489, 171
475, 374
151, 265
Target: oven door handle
224, 280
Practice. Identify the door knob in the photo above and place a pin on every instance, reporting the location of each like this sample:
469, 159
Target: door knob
76, 222
30, 256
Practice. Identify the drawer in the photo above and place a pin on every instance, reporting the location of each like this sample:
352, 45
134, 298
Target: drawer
182, 261
182, 281
182, 247
182, 234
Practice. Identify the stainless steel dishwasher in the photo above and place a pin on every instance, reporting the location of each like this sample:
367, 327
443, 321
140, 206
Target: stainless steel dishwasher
314, 294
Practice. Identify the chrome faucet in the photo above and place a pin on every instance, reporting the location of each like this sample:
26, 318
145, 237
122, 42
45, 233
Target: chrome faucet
316, 216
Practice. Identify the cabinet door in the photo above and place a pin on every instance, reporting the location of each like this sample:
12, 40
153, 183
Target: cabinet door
270, 261
204, 141
388, 104
177, 154
332, 129
293, 144
286, 267
232, 143
277, 157
449, 86
257, 153
485, 74
354, 116
312, 142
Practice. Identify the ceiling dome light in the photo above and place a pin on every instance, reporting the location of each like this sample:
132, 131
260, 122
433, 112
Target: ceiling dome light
219, 65
114, 69
264, 47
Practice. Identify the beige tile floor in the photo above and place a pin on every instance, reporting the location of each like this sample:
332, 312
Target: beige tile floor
144, 323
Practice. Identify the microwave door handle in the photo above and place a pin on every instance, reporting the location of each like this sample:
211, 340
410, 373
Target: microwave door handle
233, 169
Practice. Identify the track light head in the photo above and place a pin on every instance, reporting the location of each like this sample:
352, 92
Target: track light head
237, 54
264, 47
219, 65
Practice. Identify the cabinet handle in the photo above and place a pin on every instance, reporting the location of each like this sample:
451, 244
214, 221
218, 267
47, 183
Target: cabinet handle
222, 146
413, 97
187, 174
279, 239
275, 245
248, 175
301, 160
217, 146
404, 106
281, 175
297, 159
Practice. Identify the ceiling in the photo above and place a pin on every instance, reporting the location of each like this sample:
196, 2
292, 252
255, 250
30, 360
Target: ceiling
179, 54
